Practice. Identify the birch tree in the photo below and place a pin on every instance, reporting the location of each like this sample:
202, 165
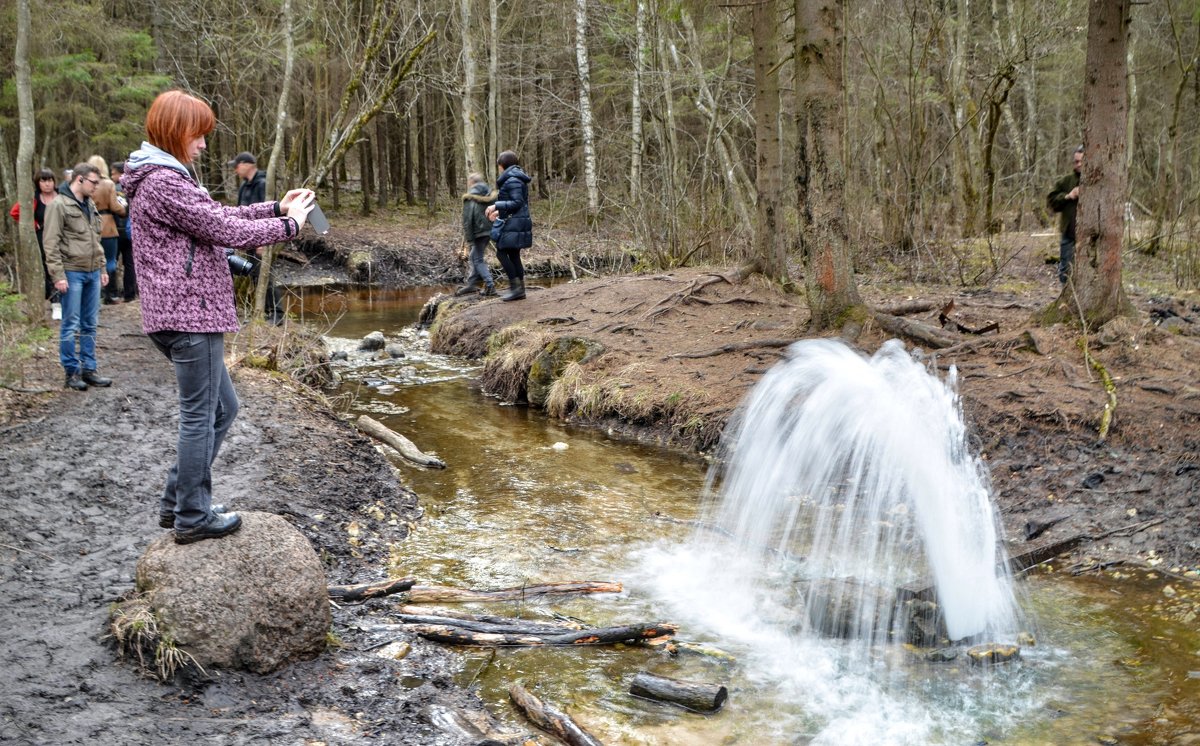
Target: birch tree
29, 263
586, 126
469, 114
289, 65
635, 105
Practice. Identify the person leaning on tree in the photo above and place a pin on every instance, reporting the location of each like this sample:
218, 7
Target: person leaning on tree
75, 261
1064, 199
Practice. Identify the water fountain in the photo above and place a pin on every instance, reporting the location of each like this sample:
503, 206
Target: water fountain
849, 477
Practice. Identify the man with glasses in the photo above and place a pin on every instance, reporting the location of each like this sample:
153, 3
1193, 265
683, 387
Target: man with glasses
75, 262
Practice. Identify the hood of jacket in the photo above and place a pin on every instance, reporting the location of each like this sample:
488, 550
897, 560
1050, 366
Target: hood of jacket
85, 204
513, 172
481, 193
145, 160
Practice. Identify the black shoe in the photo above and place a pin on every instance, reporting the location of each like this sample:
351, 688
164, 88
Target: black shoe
489, 291
516, 289
75, 382
464, 290
167, 520
221, 524
92, 378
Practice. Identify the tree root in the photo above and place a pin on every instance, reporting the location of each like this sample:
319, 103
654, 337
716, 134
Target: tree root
1110, 388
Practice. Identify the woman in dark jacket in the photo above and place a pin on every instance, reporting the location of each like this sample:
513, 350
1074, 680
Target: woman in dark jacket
513, 228
45, 189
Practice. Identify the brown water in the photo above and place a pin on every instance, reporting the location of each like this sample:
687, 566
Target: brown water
527, 500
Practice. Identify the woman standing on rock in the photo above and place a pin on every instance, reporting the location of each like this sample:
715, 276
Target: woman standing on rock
513, 228
179, 237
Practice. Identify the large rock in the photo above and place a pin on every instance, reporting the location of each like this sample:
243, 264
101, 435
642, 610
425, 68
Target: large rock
256, 599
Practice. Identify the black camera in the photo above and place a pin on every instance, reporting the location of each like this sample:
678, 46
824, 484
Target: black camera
239, 265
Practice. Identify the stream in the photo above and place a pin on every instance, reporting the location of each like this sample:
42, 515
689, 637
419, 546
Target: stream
526, 499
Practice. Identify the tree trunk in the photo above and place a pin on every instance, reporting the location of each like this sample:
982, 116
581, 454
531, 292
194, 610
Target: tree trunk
635, 105
494, 120
1093, 293
585, 110
769, 246
31, 281
469, 115
289, 62
820, 169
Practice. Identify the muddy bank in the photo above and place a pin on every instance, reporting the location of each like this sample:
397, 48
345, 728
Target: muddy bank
78, 502
669, 357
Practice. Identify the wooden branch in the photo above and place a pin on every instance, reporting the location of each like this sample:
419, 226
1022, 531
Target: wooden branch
403, 445
923, 333
490, 624
352, 593
443, 594
454, 634
908, 307
693, 695
732, 347
551, 719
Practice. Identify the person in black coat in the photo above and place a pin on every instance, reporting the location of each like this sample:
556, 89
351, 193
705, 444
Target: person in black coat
512, 229
252, 191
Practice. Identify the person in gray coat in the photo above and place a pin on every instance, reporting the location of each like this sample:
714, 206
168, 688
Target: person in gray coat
477, 230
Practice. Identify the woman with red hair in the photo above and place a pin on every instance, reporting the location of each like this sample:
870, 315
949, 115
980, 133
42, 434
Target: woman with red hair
179, 237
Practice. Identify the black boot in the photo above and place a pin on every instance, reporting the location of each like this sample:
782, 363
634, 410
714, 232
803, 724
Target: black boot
75, 382
516, 289
92, 378
467, 289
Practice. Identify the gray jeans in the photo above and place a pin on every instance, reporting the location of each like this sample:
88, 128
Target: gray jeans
479, 267
207, 407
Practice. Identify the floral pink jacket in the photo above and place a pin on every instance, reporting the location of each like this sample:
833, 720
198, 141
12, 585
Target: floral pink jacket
179, 238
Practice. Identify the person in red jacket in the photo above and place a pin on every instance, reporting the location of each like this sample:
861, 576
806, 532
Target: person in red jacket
44, 192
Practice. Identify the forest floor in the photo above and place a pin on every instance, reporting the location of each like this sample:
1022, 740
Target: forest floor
82, 471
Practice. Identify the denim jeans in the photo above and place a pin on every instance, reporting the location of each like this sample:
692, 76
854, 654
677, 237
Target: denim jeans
80, 309
207, 408
479, 267
111, 248
1066, 257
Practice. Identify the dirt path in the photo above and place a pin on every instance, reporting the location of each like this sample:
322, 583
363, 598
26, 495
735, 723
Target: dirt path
82, 472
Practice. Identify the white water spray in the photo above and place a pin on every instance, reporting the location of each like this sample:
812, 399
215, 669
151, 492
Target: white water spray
848, 477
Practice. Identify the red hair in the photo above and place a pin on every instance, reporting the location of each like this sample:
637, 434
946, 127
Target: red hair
175, 119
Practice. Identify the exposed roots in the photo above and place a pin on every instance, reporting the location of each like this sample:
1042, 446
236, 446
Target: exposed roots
135, 630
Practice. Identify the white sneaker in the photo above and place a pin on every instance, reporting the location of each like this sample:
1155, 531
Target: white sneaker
56, 311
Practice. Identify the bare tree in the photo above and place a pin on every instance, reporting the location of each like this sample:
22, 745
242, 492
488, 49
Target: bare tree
770, 249
29, 265
583, 69
635, 105
820, 168
1093, 293
469, 116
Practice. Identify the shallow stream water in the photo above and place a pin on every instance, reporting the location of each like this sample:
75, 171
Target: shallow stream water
526, 499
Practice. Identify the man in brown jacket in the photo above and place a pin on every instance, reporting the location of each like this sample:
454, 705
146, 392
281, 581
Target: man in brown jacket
75, 262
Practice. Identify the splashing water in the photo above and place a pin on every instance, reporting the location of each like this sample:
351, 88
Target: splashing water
854, 473
845, 479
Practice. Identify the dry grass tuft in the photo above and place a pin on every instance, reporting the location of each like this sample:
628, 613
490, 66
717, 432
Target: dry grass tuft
134, 628
510, 356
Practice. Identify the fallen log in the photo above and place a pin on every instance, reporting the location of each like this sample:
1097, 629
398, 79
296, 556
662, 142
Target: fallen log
428, 594
550, 719
456, 635
924, 333
494, 625
908, 307
925, 590
414, 610
403, 445
352, 593
692, 695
